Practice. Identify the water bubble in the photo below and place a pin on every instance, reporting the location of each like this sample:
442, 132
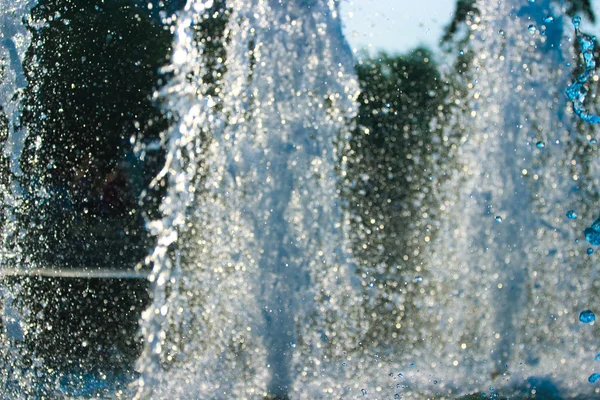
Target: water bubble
571, 214
498, 218
549, 19
594, 377
531, 28
364, 392
540, 145
577, 92
592, 234
590, 251
418, 279
587, 316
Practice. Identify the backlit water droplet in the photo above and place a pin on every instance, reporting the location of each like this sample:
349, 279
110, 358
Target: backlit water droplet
418, 279
587, 316
549, 19
531, 28
594, 377
364, 392
590, 251
498, 218
592, 234
540, 145
597, 358
577, 92
571, 214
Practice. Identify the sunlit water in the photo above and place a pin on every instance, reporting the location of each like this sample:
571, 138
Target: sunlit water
255, 291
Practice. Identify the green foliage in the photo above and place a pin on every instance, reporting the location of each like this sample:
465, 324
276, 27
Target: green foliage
92, 70
390, 170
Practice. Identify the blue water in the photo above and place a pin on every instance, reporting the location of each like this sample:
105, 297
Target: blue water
577, 92
587, 316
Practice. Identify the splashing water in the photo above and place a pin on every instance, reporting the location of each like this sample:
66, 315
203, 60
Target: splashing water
184, 147
587, 316
272, 228
497, 158
15, 39
254, 290
592, 234
577, 92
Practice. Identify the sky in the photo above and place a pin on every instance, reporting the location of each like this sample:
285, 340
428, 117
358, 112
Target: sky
395, 25
400, 25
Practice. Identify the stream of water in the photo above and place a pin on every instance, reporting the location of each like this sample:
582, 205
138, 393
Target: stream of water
254, 287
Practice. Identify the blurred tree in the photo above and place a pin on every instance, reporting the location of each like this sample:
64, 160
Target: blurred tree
92, 70
391, 179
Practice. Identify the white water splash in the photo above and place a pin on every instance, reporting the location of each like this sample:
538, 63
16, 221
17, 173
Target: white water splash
510, 318
263, 273
15, 40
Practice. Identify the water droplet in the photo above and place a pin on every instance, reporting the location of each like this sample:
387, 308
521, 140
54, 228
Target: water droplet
592, 234
540, 145
364, 392
501, 31
292, 345
594, 377
597, 358
498, 218
531, 28
397, 396
587, 316
549, 19
593, 141
571, 214
400, 375
590, 251
576, 21
418, 279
